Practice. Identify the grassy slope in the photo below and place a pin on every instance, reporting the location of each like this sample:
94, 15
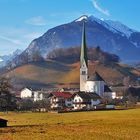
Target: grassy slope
51, 72
96, 125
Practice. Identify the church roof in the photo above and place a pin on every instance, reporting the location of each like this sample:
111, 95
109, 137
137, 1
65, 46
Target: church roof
95, 77
83, 56
107, 89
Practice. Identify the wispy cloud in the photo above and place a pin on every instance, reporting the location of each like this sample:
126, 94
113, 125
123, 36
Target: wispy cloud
32, 35
38, 21
12, 38
14, 41
99, 8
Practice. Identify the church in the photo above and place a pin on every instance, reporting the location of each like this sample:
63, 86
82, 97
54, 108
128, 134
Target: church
93, 88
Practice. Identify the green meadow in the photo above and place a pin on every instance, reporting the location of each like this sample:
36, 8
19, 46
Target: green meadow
94, 125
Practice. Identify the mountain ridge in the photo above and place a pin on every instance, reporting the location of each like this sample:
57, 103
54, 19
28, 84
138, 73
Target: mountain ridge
125, 44
62, 43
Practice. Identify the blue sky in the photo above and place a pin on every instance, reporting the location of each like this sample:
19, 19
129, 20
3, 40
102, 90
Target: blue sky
23, 20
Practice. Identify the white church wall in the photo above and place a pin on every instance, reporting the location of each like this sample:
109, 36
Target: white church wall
83, 77
95, 86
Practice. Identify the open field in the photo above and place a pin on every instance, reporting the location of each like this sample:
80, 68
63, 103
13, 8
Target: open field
95, 125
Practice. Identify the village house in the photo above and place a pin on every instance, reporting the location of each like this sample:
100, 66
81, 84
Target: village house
26, 93
85, 101
38, 95
34, 95
108, 93
61, 100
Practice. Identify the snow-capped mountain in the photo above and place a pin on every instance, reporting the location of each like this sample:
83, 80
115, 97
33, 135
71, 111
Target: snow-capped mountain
4, 59
114, 26
120, 27
111, 36
84, 17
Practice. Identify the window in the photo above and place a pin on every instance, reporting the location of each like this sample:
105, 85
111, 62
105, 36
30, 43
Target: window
83, 72
68, 99
95, 88
68, 104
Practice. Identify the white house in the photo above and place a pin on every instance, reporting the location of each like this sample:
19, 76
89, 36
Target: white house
85, 100
30, 94
26, 93
108, 93
37, 96
61, 100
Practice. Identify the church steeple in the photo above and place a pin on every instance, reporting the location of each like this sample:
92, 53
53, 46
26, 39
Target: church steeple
83, 62
83, 56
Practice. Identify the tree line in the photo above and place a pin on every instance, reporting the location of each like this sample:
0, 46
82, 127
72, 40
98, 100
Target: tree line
72, 54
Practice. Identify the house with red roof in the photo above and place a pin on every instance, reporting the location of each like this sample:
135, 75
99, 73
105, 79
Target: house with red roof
61, 100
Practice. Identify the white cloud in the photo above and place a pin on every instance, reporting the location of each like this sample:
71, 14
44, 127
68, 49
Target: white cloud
38, 21
32, 35
14, 41
12, 38
99, 8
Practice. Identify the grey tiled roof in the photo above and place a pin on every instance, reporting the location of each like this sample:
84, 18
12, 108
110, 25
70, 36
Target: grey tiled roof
107, 89
95, 77
86, 95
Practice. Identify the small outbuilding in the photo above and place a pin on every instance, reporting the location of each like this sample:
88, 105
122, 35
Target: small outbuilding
3, 122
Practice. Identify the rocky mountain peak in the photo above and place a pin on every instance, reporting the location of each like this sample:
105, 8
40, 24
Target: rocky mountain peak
111, 36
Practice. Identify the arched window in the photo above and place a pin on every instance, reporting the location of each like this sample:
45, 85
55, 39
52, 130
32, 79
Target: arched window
83, 72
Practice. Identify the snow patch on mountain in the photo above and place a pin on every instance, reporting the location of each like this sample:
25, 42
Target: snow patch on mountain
84, 17
102, 19
1, 60
4, 59
103, 23
120, 27
113, 26
135, 44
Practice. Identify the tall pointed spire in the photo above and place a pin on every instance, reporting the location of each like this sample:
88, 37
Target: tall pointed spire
83, 62
83, 57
